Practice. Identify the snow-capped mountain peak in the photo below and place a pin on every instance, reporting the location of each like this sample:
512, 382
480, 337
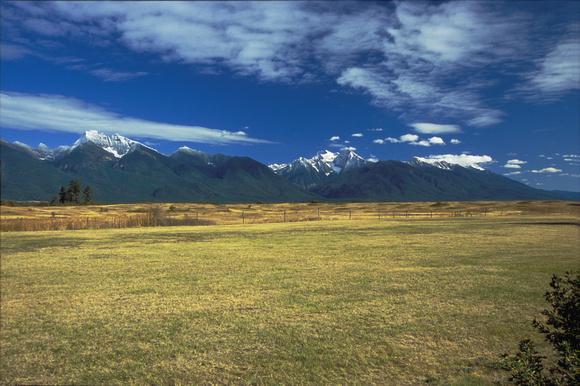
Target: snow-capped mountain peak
348, 159
420, 161
310, 171
115, 144
43, 152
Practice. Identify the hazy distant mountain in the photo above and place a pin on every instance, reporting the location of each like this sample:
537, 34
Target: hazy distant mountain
119, 169
308, 173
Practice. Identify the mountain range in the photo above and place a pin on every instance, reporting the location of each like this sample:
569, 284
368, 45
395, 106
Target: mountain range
119, 169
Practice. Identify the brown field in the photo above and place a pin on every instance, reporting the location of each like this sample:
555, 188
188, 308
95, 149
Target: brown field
38, 218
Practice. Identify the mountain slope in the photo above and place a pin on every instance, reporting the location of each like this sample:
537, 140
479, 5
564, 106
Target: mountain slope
308, 173
22, 177
121, 170
143, 174
400, 181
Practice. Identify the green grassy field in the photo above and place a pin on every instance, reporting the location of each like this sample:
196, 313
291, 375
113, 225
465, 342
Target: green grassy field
328, 302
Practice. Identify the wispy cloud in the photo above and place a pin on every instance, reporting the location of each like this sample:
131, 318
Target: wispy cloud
432, 128
556, 73
109, 75
426, 60
61, 114
14, 52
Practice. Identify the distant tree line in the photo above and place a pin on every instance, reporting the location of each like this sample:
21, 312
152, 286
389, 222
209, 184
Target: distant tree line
74, 195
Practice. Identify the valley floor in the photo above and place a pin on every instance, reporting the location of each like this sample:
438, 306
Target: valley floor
31, 218
403, 301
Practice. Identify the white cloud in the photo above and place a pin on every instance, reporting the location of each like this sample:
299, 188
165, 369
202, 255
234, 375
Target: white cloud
547, 170
436, 141
512, 173
357, 135
432, 128
426, 59
514, 164
59, 113
412, 139
573, 158
558, 72
409, 138
334, 138
455, 142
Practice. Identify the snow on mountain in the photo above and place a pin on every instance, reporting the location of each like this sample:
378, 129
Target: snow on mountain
115, 144
311, 171
325, 162
445, 165
43, 152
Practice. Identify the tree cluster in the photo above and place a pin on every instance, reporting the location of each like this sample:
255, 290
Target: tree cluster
72, 195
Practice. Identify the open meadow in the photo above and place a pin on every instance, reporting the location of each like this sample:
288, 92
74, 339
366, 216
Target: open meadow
36, 217
400, 300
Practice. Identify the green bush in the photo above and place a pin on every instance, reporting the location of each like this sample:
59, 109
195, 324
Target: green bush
561, 330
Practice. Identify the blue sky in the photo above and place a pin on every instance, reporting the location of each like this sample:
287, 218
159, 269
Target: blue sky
486, 82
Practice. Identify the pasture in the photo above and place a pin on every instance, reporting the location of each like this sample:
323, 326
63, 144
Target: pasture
397, 301
36, 218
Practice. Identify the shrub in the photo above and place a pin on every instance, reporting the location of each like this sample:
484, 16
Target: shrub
562, 331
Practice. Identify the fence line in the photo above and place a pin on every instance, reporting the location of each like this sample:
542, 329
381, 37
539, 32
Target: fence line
157, 218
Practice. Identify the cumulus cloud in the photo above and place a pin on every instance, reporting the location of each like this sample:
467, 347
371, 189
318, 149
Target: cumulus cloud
409, 138
455, 142
514, 164
59, 113
357, 135
432, 128
436, 141
547, 170
334, 138
412, 139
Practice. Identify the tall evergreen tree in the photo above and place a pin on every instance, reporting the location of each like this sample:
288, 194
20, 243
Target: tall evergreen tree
74, 192
63, 195
88, 195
